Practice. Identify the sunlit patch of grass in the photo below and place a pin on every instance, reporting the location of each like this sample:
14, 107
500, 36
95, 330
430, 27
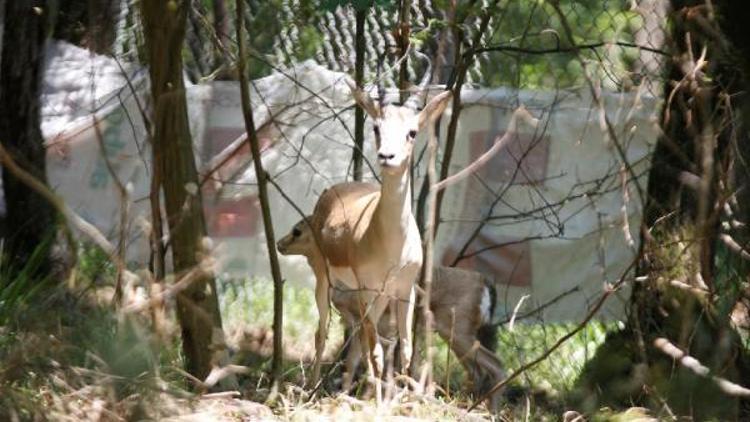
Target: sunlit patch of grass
247, 311
553, 378
249, 302
558, 372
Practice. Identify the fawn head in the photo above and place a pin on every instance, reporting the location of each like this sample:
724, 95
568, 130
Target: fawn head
299, 241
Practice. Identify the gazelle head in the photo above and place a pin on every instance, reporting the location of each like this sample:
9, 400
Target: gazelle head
299, 241
396, 127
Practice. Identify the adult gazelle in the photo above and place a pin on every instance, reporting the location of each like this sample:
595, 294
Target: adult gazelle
368, 238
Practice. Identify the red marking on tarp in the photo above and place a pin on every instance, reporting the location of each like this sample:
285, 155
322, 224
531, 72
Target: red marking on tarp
522, 161
232, 217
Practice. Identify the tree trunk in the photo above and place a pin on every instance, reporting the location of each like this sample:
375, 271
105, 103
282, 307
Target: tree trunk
691, 182
30, 219
197, 306
88, 23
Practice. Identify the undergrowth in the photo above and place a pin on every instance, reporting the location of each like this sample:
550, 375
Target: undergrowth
67, 355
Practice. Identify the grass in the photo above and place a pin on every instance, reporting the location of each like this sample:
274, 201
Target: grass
249, 303
73, 356
527, 341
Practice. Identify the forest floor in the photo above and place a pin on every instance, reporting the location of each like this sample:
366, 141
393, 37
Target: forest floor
68, 356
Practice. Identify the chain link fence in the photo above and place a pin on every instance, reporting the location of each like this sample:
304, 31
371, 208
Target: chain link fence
526, 45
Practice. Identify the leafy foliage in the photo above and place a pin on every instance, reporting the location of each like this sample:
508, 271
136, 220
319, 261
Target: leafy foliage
534, 26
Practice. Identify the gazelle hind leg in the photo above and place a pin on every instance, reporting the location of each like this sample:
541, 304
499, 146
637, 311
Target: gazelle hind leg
480, 364
353, 356
372, 350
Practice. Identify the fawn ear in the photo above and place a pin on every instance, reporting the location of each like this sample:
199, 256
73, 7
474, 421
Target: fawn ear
364, 100
434, 108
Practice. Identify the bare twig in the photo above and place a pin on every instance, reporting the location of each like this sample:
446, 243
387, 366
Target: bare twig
734, 246
539, 308
219, 373
515, 312
195, 274
596, 94
230, 151
455, 83
560, 49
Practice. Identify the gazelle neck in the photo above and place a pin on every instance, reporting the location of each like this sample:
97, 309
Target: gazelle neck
393, 212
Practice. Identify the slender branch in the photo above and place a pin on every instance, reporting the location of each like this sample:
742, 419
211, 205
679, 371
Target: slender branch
499, 144
693, 364
402, 40
88, 229
559, 49
230, 151
540, 308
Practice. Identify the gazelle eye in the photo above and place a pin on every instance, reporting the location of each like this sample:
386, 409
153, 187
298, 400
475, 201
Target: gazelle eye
412, 134
296, 232
376, 130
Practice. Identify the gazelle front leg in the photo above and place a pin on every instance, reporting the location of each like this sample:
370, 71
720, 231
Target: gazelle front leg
404, 319
405, 300
323, 304
372, 349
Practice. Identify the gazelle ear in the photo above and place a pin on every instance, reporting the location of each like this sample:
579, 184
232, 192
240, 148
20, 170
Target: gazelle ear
364, 100
434, 108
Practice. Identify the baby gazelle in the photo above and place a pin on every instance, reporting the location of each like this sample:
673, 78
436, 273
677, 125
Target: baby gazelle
461, 302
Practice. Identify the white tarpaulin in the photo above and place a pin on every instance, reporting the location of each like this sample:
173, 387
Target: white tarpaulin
546, 217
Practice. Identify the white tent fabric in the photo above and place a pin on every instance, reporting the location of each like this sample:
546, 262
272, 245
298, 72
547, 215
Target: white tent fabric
556, 229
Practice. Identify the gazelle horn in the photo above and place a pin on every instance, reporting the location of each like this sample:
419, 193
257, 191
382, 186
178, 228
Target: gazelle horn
417, 98
381, 87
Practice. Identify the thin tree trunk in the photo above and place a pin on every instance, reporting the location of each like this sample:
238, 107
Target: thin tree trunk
30, 219
455, 83
221, 27
429, 255
359, 75
278, 282
197, 306
404, 30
